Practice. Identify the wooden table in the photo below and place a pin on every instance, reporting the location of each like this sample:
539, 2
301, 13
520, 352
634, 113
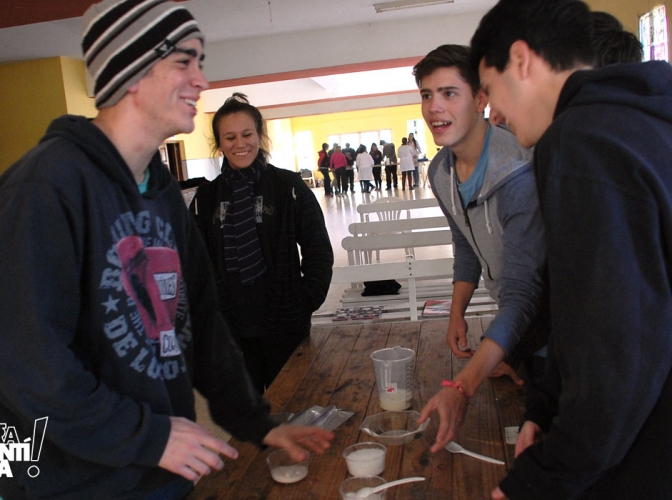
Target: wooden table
334, 368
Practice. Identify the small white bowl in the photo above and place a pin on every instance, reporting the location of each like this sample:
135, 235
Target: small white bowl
284, 470
365, 459
352, 485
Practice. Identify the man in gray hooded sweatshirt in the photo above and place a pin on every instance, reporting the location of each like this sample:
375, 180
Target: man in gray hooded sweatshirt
485, 185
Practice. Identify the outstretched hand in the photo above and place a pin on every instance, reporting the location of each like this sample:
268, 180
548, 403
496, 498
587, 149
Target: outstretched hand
451, 405
293, 438
192, 451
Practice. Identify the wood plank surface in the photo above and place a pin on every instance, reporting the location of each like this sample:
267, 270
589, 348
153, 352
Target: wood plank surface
333, 367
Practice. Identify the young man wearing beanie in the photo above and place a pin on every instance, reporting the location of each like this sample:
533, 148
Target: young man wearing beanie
597, 425
109, 317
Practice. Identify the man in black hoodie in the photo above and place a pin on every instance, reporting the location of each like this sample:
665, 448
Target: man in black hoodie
109, 317
597, 424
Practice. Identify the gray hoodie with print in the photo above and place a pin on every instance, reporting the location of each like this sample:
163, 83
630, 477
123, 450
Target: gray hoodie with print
499, 235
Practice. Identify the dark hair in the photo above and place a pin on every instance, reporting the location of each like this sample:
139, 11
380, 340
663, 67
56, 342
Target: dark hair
238, 103
404, 140
611, 43
361, 149
325, 146
374, 145
603, 21
448, 56
560, 31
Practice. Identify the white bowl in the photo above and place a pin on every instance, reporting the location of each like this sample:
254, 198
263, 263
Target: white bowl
365, 459
394, 427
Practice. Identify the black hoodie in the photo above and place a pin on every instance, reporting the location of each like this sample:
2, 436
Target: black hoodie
604, 169
108, 320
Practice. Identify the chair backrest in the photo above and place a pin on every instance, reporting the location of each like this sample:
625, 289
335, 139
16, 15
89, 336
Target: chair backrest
398, 226
387, 210
365, 209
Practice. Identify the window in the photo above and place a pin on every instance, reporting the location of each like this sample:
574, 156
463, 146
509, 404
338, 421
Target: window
653, 34
356, 138
306, 158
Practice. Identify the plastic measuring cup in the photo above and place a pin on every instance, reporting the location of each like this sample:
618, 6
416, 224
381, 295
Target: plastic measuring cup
394, 369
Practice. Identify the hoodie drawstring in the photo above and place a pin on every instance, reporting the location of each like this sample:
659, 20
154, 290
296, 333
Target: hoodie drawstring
487, 218
488, 224
452, 191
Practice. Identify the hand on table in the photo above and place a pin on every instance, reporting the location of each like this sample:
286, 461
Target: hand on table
504, 369
293, 437
498, 494
529, 434
192, 451
456, 337
451, 405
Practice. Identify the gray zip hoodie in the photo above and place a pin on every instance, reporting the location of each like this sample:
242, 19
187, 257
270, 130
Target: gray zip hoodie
500, 234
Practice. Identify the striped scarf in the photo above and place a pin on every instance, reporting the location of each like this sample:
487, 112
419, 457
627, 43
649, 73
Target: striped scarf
242, 251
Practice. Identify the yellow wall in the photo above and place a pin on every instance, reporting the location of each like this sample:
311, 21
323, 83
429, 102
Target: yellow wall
394, 118
74, 82
198, 143
31, 96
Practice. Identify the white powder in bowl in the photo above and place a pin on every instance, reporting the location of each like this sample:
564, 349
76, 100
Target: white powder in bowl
289, 473
366, 462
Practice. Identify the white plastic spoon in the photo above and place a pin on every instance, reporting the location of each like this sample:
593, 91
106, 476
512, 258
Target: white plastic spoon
365, 492
453, 447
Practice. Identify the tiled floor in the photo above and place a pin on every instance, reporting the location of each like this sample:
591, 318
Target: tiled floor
340, 212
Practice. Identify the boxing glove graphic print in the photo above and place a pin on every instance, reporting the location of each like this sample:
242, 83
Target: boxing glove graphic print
151, 277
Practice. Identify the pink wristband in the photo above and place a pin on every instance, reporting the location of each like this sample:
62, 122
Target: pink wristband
457, 385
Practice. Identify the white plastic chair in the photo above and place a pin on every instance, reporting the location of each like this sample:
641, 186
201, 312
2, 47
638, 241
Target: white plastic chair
387, 212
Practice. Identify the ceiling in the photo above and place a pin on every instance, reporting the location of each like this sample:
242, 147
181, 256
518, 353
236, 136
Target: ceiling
32, 29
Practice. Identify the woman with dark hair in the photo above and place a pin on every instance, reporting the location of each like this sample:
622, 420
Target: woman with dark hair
254, 217
377, 156
323, 165
338, 163
416, 155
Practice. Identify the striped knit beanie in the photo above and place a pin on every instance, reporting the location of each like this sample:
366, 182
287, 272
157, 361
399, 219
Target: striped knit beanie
123, 39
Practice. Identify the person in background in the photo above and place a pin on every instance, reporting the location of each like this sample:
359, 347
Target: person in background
405, 154
390, 156
377, 156
365, 168
611, 43
337, 163
350, 155
485, 185
415, 147
598, 421
323, 165
254, 217
108, 328
333, 148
